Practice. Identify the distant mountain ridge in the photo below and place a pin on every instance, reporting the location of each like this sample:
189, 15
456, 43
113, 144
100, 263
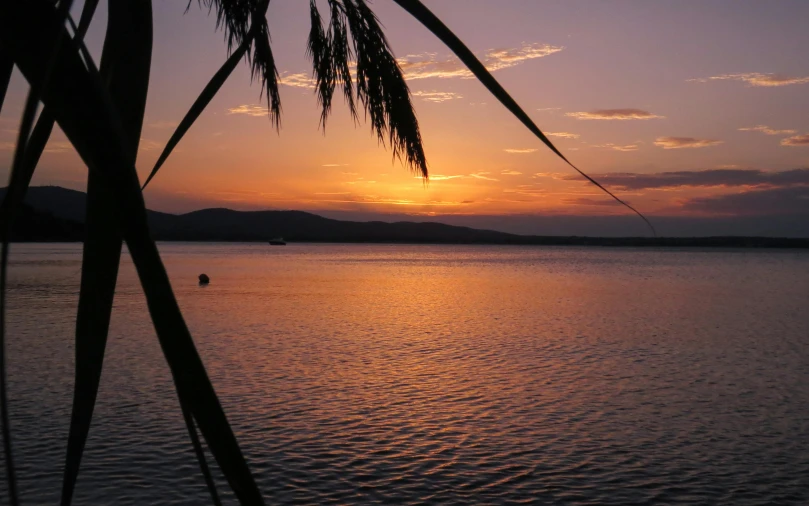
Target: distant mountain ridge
61, 212
229, 225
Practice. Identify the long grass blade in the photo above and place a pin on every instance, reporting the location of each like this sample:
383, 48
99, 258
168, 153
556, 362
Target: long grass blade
108, 238
6, 66
87, 14
125, 64
10, 202
419, 11
100, 259
85, 113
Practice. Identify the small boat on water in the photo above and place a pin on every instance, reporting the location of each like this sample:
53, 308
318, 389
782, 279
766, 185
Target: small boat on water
278, 241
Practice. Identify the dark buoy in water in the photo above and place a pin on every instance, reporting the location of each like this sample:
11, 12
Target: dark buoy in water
204, 279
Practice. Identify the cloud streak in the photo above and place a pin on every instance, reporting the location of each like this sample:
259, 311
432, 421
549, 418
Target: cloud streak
161, 125
564, 135
798, 140
615, 147
297, 80
766, 130
614, 114
429, 65
756, 79
703, 179
439, 177
755, 202
483, 175
249, 110
436, 96
685, 142
520, 151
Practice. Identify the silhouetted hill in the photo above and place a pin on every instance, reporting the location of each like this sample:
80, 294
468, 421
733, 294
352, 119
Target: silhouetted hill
31, 225
229, 225
57, 214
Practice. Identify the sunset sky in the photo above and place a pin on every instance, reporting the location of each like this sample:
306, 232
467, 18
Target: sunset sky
689, 110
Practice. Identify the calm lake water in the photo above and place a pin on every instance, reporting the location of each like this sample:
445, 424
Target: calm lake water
357, 374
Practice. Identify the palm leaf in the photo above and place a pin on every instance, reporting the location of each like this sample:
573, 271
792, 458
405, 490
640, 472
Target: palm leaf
330, 55
85, 113
381, 86
243, 20
435, 25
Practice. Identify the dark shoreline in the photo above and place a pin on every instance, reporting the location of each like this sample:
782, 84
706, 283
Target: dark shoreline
604, 242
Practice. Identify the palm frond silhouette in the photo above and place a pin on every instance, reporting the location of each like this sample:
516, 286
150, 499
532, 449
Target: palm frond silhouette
101, 111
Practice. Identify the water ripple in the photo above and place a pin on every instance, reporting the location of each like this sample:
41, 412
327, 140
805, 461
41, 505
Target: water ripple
440, 375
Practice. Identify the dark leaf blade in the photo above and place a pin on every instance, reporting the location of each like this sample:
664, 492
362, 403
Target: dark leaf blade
85, 113
36, 143
6, 67
28, 152
128, 44
11, 201
419, 11
87, 14
210, 90
100, 260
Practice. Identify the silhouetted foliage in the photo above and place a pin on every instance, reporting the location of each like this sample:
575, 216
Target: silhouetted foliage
101, 113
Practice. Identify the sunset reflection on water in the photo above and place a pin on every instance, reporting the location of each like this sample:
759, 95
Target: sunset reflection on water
411, 374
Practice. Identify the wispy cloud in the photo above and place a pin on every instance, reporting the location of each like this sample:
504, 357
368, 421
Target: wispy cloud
249, 110
149, 145
297, 80
756, 79
616, 147
334, 165
614, 114
518, 151
564, 135
702, 179
588, 201
51, 147
772, 201
766, 130
798, 140
439, 177
58, 147
685, 142
427, 65
548, 109
483, 175
436, 96
552, 175
511, 173
161, 125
